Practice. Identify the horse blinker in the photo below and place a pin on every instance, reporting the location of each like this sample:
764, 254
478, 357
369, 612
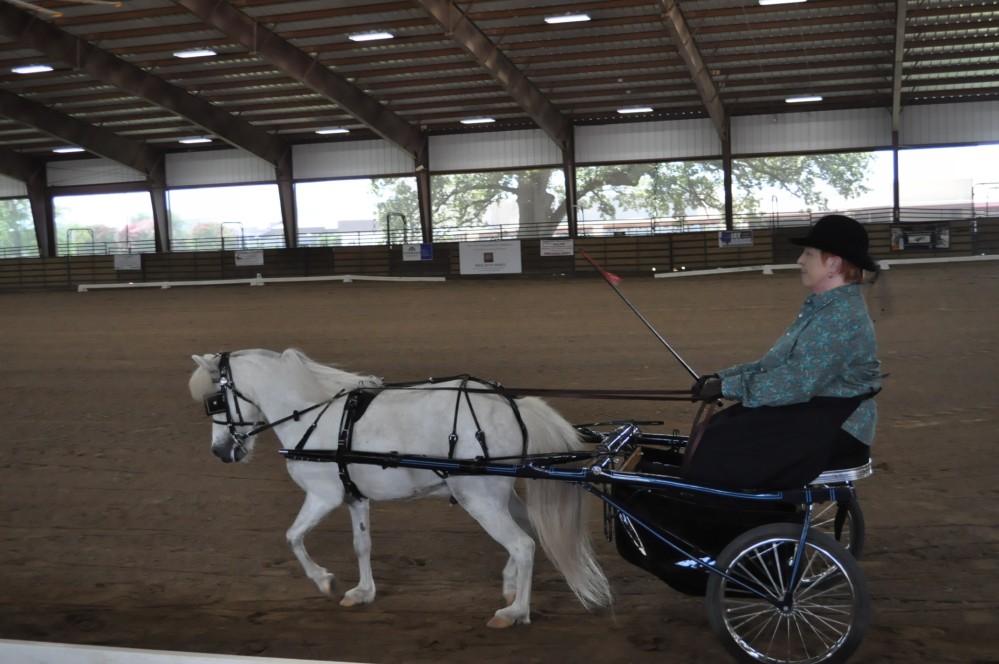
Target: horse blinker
215, 403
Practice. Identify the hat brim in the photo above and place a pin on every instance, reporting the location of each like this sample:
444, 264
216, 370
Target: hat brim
863, 262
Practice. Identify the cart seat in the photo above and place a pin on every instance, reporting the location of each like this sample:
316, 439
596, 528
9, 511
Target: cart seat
844, 474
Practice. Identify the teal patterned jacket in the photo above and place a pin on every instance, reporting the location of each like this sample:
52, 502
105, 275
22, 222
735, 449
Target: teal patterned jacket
829, 351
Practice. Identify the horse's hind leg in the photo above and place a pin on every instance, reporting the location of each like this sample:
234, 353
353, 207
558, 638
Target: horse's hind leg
364, 591
492, 511
313, 511
518, 510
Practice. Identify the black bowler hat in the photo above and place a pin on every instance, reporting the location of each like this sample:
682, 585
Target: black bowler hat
842, 236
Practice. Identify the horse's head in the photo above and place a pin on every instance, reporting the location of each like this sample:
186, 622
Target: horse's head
234, 415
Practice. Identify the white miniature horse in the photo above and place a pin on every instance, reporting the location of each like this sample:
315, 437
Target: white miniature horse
259, 385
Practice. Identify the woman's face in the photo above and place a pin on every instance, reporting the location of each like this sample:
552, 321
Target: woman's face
817, 275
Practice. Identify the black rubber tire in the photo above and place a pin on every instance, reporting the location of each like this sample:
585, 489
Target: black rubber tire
829, 610
844, 521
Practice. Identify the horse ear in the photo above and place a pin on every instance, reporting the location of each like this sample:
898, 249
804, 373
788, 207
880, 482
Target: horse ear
204, 361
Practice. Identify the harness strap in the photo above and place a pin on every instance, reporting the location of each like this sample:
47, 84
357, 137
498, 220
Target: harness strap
357, 402
312, 427
480, 435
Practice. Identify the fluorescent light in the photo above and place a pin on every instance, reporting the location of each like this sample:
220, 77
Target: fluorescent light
478, 120
195, 53
68, 150
197, 139
637, 109
764, 3
803, 99
371, 36
31, 69
567, 18
333, 130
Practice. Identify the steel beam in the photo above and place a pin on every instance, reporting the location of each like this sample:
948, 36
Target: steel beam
464, 32
684, 41
33, 173
96, 140
18, 166
303, 67
29, 31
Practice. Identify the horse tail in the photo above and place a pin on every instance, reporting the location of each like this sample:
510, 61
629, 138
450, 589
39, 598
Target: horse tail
557, 509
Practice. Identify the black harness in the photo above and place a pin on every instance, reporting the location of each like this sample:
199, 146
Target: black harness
356, 403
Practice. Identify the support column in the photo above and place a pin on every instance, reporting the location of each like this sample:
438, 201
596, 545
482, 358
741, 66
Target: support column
424, 199
727, 173
569, 174
42, 212
157, 194
286, 196
896, 207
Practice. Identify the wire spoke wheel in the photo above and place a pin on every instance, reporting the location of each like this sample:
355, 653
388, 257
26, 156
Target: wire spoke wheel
844, 521
768, 613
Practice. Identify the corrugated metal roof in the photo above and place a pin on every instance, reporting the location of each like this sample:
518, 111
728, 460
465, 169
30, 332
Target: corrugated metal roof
290, 67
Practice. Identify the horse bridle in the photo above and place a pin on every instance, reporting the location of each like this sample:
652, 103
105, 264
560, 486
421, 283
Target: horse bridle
218, 402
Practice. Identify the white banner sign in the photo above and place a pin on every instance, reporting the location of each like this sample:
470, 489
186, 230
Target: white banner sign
418, 252
556, 248
735, 238
250, 257
492, 257
128, 261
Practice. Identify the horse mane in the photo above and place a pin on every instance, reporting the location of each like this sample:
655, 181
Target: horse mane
329, 379
332, 379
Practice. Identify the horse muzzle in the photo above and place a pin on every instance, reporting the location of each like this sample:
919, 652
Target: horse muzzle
230, 451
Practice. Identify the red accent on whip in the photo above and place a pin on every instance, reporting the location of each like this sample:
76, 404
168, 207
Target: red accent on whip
611, 278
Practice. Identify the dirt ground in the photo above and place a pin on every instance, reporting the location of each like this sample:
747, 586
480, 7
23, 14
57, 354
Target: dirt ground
119, 528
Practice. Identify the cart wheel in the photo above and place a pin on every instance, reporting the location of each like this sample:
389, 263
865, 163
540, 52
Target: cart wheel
825, 616
844, 520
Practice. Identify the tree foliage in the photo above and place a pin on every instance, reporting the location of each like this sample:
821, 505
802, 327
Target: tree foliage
17, 229
658, 191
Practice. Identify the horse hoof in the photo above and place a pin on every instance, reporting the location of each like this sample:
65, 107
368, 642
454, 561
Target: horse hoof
348, 602
497, 622
329, 585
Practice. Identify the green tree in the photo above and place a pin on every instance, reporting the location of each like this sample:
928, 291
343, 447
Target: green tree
17, 228
667, 190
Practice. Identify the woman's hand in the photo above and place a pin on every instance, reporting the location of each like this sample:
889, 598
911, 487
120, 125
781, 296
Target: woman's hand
707, 388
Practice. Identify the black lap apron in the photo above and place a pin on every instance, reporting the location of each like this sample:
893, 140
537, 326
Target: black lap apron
772, 447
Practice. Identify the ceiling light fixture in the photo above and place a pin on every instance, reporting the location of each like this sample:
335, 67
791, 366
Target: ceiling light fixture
371, 36
478, 121
195, 53
195, 140
68, 150
31, 69
567, 18
637, 109
333, 130
764, 3
802, 99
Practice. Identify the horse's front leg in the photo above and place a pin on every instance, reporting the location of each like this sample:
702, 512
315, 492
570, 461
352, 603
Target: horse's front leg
364, 592
313, 511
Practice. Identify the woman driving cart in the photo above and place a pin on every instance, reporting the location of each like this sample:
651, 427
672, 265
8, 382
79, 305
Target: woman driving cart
806, 405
